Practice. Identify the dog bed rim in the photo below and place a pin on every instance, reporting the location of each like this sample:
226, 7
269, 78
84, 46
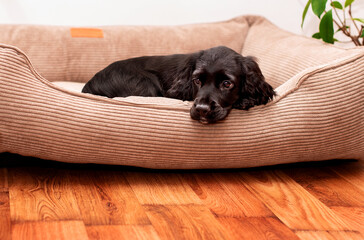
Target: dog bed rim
285, 89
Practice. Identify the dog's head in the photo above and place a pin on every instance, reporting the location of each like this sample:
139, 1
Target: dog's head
222, 80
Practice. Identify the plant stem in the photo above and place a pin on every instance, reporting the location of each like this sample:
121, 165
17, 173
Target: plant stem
345, 20
355, 39
337, 15
342, 27
351, 17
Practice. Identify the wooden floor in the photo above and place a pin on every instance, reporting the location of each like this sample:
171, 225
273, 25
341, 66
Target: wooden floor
50, 200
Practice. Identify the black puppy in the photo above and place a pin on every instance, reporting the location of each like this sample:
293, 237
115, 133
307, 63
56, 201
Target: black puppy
217, 79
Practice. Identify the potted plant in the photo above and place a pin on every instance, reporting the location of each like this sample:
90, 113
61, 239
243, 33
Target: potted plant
336, 15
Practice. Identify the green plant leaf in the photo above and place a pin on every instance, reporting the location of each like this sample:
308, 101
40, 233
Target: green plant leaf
337, 5
362, 34
318, 7
348, 2
327, 28
359, 19
316, 35
305, 12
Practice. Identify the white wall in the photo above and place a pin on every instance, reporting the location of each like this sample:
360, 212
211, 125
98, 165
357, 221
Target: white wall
284, 13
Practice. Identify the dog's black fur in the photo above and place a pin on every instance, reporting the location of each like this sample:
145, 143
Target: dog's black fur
217, 79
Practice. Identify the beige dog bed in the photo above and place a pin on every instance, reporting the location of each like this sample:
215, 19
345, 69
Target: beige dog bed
317, 115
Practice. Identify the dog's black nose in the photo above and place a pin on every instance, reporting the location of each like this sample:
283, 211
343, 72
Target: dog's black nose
202, 109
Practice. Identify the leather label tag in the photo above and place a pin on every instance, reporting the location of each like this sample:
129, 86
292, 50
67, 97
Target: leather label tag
87, 33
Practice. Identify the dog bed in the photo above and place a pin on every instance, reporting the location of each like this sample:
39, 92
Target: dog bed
317, 114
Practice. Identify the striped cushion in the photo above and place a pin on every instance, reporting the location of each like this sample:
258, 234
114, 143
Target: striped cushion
317, 115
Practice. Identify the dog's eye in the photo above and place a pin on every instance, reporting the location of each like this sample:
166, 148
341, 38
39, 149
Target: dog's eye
197, 81
227, 84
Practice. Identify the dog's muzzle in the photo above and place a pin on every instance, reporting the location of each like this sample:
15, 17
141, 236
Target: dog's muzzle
208, 113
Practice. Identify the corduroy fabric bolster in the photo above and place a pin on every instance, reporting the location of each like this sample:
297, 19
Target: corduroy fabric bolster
317, 115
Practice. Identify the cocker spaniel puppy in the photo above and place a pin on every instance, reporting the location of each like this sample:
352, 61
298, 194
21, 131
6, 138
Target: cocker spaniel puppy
217, 80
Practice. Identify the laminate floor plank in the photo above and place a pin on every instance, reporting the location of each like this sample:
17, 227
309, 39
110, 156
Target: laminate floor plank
352, 216
328, 187
161, 188
5, 222
353, 172
4, 186
291, 203
127, 232
106, 198
259, 228
184, 222
213, 195
329, 235
248, 203
49, 230
38, 194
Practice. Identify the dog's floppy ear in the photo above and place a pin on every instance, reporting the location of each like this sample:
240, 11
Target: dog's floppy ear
254, 89
182, 86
